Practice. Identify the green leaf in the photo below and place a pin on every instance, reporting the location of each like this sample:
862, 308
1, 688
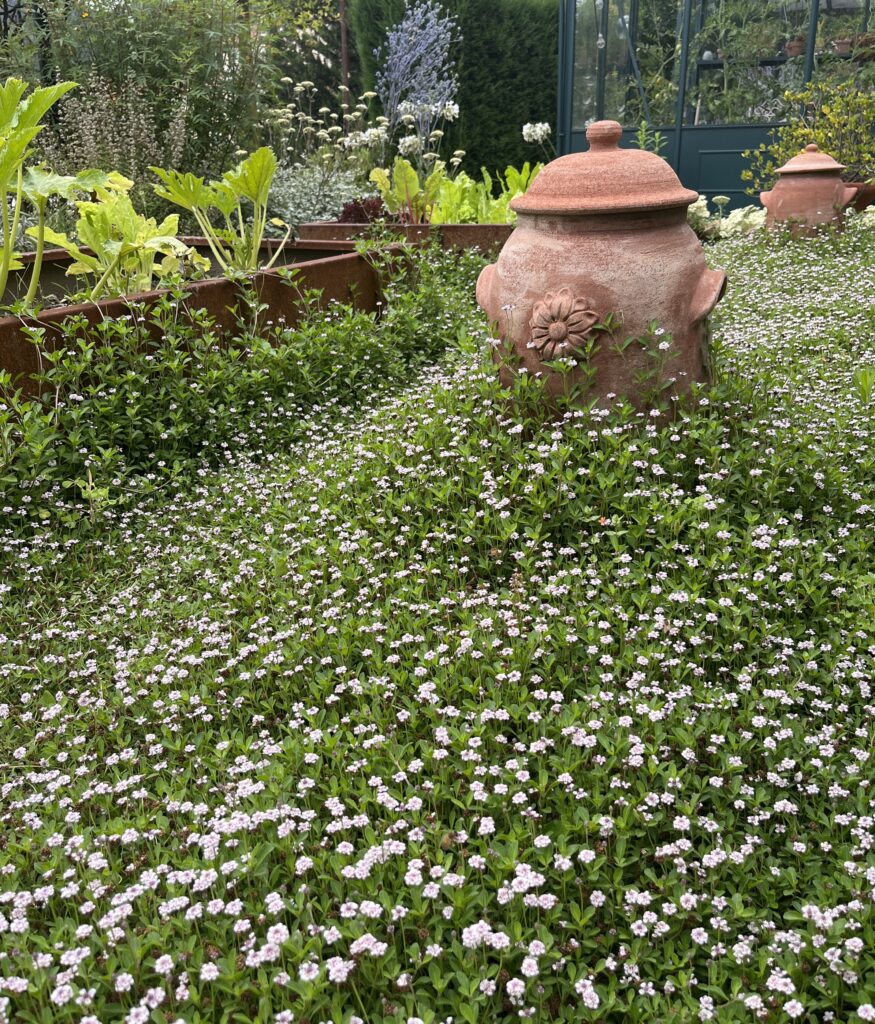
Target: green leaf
252, 178
185, 190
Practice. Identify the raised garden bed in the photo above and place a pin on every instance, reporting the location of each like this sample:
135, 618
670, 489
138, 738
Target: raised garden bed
333, 268
452, 236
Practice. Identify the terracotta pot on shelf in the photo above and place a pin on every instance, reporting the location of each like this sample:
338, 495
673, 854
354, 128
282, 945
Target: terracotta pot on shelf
842, 46
809, 192
794, 47
602, 237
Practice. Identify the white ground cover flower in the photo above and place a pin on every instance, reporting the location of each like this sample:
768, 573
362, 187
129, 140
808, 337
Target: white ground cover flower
404, 749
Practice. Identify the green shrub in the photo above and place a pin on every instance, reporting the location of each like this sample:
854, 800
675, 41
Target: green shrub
120, 413
311, 191
838, 117
167, 82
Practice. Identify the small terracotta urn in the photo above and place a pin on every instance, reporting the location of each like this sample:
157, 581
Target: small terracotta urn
601, 253
809, 192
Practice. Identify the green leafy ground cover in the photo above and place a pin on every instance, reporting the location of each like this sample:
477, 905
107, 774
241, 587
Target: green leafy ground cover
433, 711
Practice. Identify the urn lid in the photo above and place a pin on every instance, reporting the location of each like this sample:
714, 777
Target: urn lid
811, 160
605, 179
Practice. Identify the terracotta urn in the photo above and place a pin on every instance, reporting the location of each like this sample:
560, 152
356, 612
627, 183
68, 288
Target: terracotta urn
603, 286
809, 192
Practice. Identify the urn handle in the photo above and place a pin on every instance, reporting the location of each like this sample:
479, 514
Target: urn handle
709, 291
485, 289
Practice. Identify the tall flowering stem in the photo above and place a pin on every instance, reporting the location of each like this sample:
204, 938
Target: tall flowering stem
416, 77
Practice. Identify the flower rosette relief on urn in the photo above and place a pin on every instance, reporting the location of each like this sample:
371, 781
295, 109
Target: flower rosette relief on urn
601, 252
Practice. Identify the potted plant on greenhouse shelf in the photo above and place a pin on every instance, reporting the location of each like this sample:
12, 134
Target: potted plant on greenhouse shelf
838, 118
459, 210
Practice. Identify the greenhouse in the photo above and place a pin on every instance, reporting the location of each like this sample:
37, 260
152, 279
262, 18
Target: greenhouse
706, 77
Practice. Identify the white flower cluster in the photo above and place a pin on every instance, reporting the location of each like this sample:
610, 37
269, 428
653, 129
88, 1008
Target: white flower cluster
366, 139
536, 132
448, 111
409, 145
738, 222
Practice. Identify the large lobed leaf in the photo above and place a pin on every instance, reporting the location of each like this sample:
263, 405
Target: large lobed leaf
251, 179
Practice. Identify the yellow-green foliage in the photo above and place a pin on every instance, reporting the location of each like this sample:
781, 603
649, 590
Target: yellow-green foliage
839, 118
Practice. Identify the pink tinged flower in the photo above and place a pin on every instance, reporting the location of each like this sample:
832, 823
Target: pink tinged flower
62, 995
277, 934
588, 995
529, 967
339, 969
516, 988
124, 982
794, 1009
209, 972
164, 964
308, 971
154, 997
699, 936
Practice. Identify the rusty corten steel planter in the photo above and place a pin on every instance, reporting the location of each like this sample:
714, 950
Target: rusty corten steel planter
809, 192
486, 237
334, 268
603, 235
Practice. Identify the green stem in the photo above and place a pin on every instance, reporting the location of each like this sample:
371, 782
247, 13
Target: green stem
255, 241
279, 249
36, 270
246, 254
212, 240
8, 241
96, 290
19, 194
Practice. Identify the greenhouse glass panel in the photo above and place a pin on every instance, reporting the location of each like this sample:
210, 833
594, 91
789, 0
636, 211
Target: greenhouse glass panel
844, 43
626, 61
744, 55
586, 63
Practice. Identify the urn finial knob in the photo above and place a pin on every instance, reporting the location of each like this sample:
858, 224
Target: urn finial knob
604, 135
